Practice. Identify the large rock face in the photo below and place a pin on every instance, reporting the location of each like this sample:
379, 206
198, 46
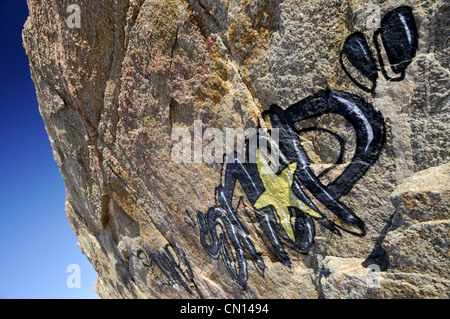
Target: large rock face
358, 92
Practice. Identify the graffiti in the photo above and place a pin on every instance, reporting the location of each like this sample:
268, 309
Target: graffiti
285, 201
169, 267
284, 210
398, 33
190, 221
357, 51
400, 39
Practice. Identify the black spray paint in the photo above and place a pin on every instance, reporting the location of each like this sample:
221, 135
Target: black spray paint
232, 241
223, 234
358, 53
400, 39
169, 266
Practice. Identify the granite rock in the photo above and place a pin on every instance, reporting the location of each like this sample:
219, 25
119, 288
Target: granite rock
113, 91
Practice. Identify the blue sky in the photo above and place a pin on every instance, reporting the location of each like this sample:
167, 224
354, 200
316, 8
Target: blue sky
36, 241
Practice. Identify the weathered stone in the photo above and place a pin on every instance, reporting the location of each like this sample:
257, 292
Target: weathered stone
417, 240
113, 92
345, 278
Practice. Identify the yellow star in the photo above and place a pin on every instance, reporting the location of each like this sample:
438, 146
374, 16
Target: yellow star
278, 193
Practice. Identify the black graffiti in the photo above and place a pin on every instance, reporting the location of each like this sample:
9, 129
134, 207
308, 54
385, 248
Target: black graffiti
190, 221
370, 136
169, 266
222, 232
233, 237
398, 33
400, 39
358, 53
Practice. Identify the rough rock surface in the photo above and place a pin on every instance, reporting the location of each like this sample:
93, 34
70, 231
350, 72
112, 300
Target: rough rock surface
416, 242
113, 91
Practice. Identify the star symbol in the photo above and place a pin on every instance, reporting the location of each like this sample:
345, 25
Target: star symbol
278, 193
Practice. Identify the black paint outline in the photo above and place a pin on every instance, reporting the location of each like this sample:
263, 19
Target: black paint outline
169, 266
399, 36
232, 242
360, 56
370, 136
397, 51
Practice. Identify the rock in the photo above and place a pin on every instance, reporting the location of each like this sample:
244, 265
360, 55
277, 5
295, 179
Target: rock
345, 278
417, 240
364, 145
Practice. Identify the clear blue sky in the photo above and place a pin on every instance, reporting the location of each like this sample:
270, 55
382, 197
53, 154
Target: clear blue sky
36, 241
